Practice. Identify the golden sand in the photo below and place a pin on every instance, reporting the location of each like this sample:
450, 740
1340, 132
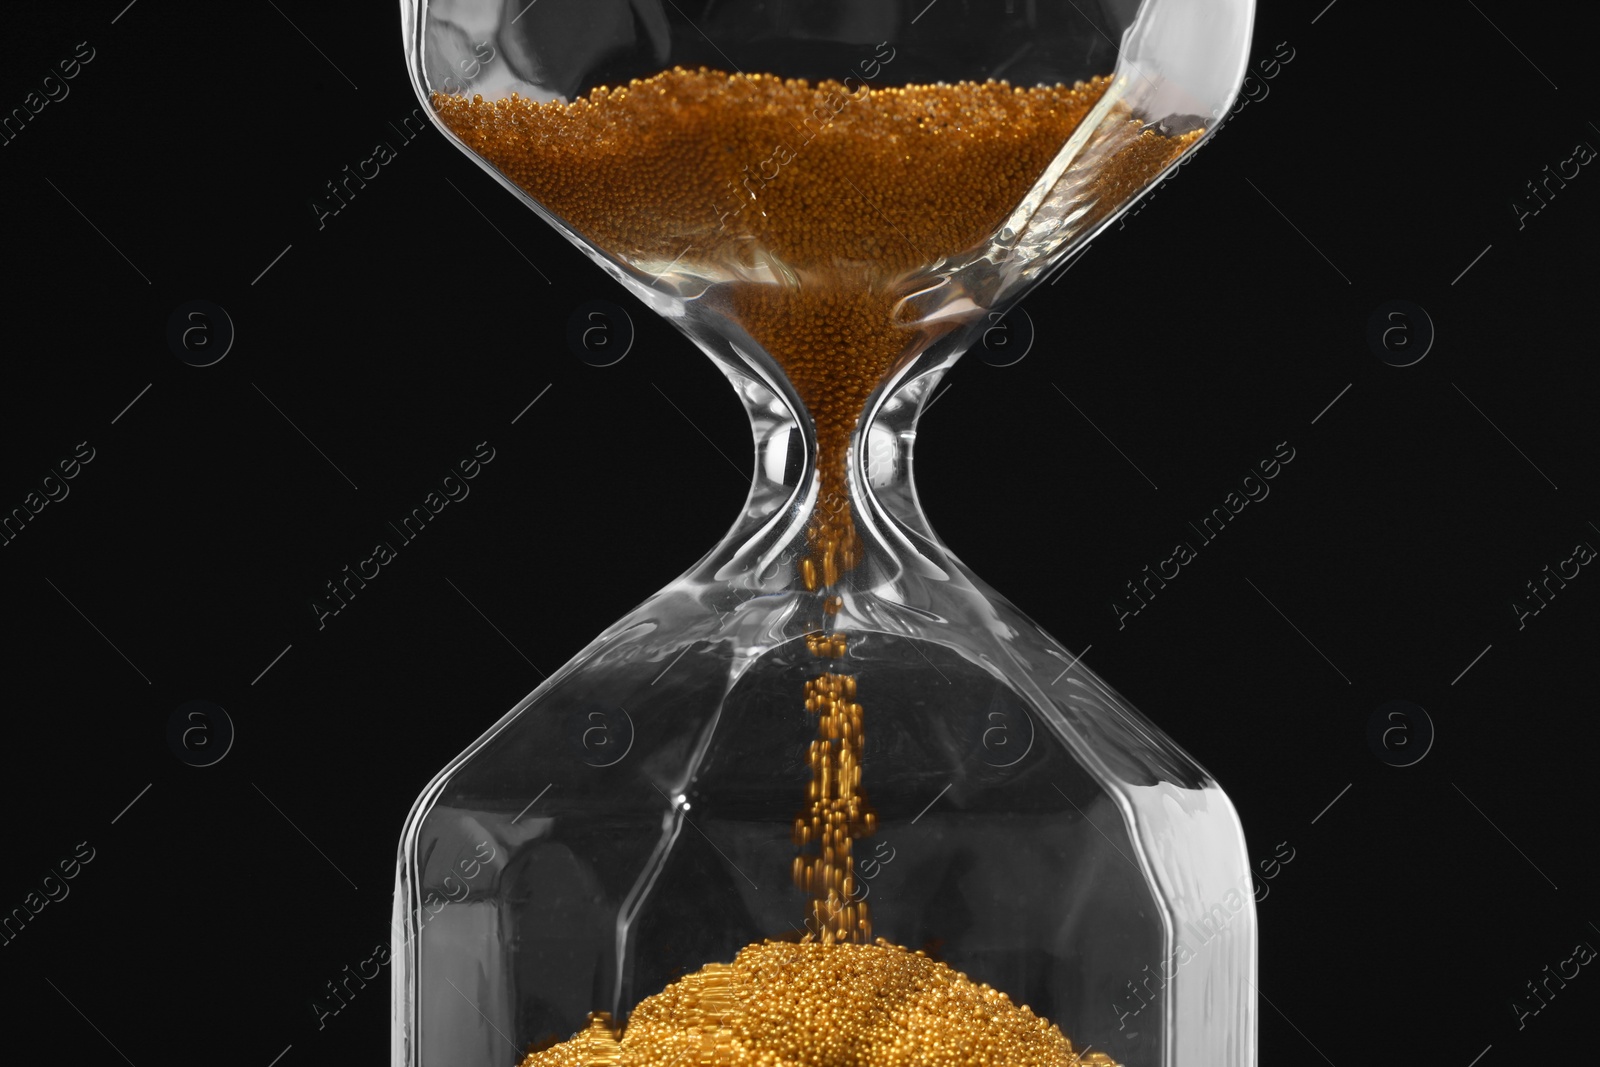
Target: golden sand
781, 1004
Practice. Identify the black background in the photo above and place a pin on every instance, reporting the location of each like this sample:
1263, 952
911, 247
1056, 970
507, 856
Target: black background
425, 316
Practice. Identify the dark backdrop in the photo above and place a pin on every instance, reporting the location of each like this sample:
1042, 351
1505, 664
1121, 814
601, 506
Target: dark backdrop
1380, 163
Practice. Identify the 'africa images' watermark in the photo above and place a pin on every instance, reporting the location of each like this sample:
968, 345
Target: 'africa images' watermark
52, 90
1548, 182
451, 488
1252, 487
52, 488
1201, 932
383, 153
338, 992
1552, 981
52, 888
1551, 582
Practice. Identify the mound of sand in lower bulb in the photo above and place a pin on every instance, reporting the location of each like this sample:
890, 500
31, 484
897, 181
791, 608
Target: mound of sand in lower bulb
782, 1004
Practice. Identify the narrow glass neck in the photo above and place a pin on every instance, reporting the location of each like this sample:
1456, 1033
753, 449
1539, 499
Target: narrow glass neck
831, 514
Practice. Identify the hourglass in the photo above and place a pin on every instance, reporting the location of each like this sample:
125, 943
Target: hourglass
827, 798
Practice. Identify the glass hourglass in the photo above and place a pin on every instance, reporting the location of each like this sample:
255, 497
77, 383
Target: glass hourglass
826, 798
